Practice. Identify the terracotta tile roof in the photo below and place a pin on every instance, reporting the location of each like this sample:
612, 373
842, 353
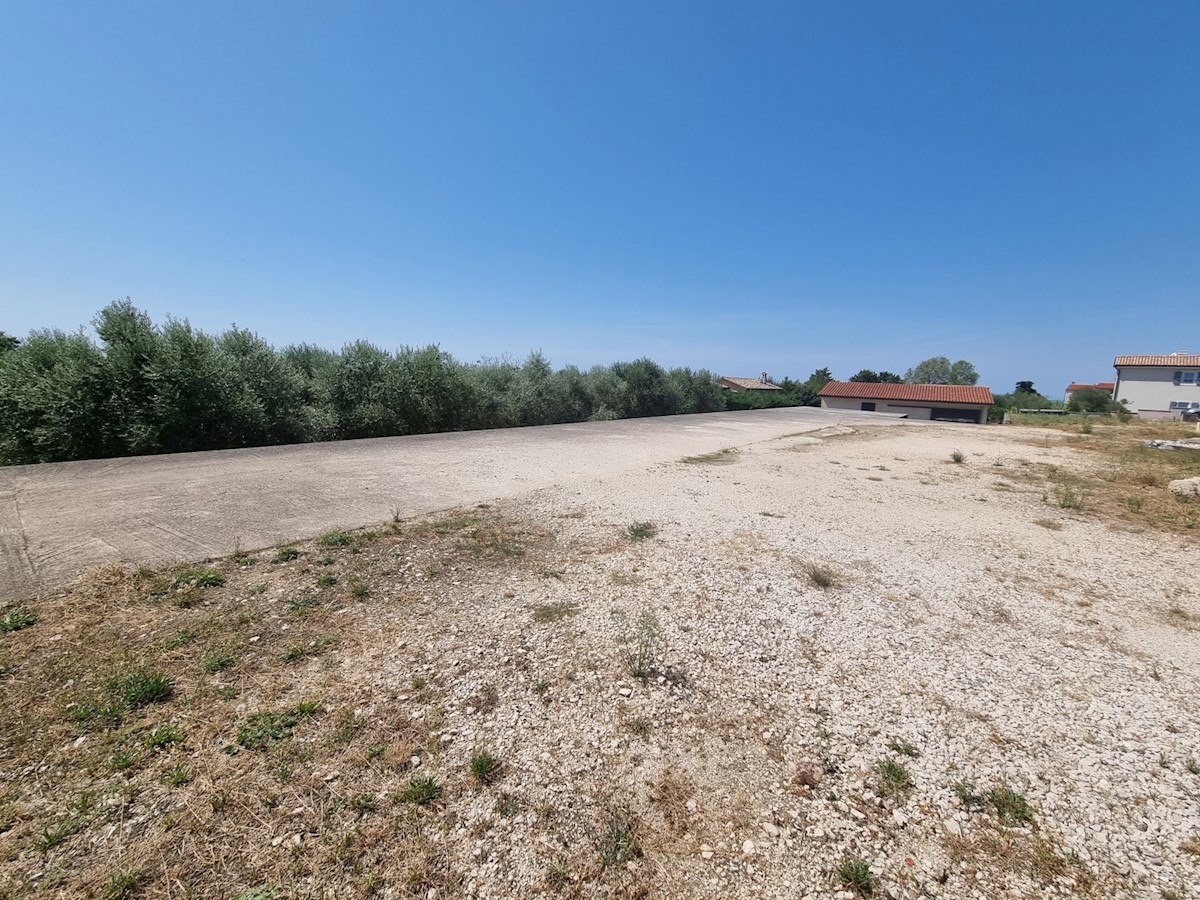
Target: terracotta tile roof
925, 393
1185, 360
749, 384
1098, 386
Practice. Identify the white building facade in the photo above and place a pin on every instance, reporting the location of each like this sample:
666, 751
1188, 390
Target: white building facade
1158, 387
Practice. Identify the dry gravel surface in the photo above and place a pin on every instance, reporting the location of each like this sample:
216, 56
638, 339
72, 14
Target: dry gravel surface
734, 676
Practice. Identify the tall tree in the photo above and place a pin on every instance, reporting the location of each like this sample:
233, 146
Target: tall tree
939, 370
890, 378
1024, 387
819, 378
8, 342
865, 376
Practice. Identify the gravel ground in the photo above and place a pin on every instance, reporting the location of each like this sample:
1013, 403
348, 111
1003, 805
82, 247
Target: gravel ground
1051, 664
736, 676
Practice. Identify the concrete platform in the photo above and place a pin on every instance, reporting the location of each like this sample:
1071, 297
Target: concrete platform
59, 519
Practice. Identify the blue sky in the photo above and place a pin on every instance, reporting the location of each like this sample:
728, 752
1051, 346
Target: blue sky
740, 187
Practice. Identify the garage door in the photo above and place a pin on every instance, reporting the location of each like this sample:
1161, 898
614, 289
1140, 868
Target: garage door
954, 415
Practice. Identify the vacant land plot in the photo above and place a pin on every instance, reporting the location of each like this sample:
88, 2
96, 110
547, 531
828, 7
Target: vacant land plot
906, 662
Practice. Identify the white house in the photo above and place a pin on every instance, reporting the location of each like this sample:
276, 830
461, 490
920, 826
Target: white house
1158, 387
939, 402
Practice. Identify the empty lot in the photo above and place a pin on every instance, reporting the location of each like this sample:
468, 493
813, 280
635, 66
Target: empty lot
817, 664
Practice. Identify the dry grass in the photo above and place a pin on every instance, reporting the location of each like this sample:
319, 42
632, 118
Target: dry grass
219, 786
1115, 478
723, 457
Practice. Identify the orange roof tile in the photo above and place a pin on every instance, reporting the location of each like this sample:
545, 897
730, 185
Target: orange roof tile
1184, 360
924, 393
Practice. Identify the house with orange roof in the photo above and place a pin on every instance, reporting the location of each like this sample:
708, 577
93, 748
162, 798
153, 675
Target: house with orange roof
762, 383
1076, 387
938, 402
1158, 387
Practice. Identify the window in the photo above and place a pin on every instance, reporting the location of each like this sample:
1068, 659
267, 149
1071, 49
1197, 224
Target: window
1178, 377
1189, 377
868, 407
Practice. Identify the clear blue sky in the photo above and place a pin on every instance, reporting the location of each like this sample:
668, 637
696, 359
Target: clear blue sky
740, 187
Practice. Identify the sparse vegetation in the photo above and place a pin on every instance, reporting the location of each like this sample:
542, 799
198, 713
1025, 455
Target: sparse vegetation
335, 539
554, 612
617, 842
262, 729
893, 780
165, 736
904, 748
958, 457
16, 619
218, 662
484, 766
640, 531
968, 794
199, 576
123, 885
854, 874
1009, 805
716, 458
421, 789
285, 554
141, 688
639, 644
822, 576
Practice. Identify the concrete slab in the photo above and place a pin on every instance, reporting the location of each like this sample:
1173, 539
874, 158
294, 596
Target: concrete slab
59, 519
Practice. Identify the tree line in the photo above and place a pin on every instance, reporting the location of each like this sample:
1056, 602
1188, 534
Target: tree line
144, 388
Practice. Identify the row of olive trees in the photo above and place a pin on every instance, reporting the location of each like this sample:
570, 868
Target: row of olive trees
147, 388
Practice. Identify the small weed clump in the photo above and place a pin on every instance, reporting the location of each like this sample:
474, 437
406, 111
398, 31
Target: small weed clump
958, 457
326, 581
199, 576
285, 554
335, 539
218, 662
359, 589
421, 789
640, 531
184, 637
122, 885
484, 766
618, 841
16, 619
1010, 805
165, 736
262, 729
854, 874
894, 778
178, 776
904, 748
298, 606
141, 688
968, 795
1069, 496
822, 576
57, 833
639, 645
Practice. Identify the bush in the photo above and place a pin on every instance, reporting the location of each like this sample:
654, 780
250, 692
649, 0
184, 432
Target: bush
147, 388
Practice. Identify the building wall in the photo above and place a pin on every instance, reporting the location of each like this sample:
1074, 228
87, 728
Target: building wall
912, 409
1150, 390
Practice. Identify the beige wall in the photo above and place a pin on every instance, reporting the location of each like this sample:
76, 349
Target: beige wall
1149, 390
911, 409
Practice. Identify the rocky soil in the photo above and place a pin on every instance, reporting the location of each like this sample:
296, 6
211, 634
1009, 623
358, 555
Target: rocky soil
815, 667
